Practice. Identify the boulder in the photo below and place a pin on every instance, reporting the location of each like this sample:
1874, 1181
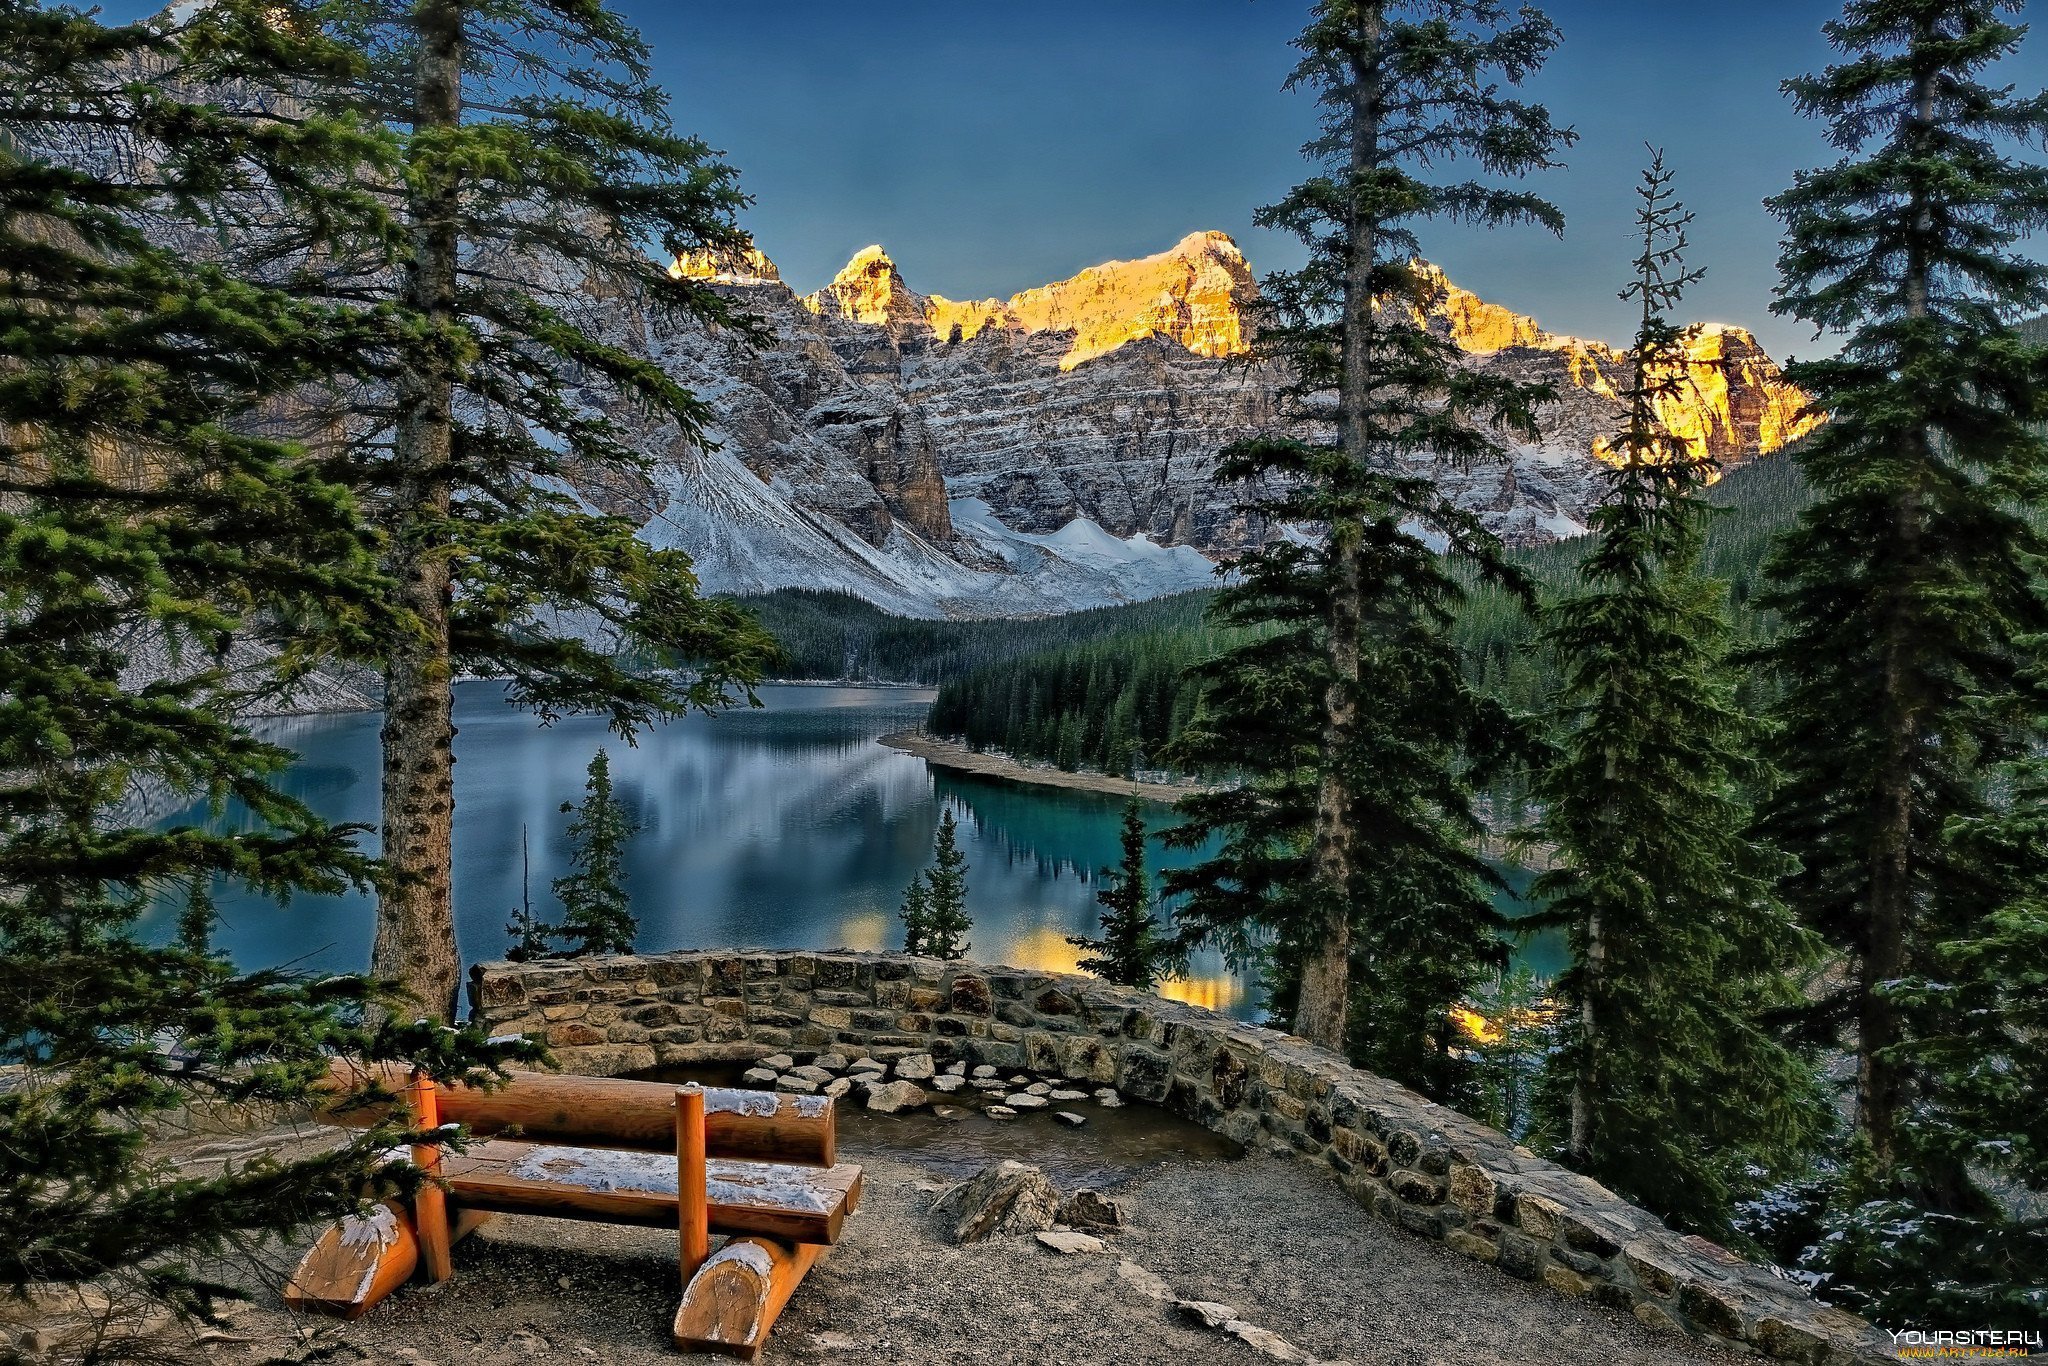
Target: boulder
802, 1086
812, 1072
758, 1076
1091, 1209
1007, 1197
1039, 1088
836, 1087
949, 1083
831, 1062
983, 1072
895, 1097
916, 1067
781, 1062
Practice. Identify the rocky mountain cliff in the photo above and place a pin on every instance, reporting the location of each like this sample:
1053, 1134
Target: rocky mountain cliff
1053, 450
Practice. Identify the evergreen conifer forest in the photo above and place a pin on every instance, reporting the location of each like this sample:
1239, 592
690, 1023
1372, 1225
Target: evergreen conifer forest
372, 353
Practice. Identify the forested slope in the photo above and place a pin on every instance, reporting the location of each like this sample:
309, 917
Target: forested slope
1112, 698
832, 636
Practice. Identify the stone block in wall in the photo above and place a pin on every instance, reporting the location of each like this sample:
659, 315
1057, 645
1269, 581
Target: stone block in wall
854, 999
1041, 1052
1229, 1078
1087, 1059
1472, 1189
605, 1060
970, 995
1145, 1074
1715, 1306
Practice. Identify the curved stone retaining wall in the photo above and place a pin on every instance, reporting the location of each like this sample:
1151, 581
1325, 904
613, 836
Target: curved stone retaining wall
1429, 1169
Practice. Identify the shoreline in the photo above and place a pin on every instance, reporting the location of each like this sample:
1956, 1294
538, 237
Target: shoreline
948, 754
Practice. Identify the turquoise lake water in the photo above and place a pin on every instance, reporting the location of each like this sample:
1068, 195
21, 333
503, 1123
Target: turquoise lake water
782, 827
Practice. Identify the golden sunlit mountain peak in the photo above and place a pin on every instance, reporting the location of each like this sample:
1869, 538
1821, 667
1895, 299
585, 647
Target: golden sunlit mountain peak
726, 267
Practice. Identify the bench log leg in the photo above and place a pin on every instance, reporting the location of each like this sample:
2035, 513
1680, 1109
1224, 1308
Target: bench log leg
358, 1262
734, 1300
430, 1204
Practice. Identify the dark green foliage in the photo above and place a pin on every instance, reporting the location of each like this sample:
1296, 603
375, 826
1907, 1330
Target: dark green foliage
147, 524
934, 912
1349, 847
1114, 705
1909, 591
1133, 950
1678, 943
830, 635
597, 915
1982, 1000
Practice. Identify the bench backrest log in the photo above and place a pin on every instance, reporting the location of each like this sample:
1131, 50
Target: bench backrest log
607, 1112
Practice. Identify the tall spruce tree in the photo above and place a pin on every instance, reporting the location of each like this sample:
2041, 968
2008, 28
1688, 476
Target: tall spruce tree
1377, 871
934, 912
538, 175
1678, 944
597, 915
1982, 1261
1906, 590
1133, 950
152, 540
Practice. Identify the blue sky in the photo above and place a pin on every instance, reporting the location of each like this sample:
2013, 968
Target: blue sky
995, 146
991, 147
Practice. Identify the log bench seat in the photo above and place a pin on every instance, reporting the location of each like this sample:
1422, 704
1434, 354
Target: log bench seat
800, 1204
757, 1166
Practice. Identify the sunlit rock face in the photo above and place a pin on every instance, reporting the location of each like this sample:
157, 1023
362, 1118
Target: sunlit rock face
1194, 295
1733, 405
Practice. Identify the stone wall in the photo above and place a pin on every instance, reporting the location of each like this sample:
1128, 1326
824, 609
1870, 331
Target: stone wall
1431, 1170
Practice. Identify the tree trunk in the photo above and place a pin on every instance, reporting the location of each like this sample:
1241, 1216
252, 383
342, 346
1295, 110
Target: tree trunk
415, 945
1323, 1008
1880, 1081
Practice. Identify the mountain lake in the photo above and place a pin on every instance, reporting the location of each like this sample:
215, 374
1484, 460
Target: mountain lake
783, 826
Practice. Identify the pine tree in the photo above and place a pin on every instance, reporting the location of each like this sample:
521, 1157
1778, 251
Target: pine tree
538, 166
152, 538
1678, 943
1381, 875
1982, 1260
1906, 589
1133, 951
597, 913
934, 911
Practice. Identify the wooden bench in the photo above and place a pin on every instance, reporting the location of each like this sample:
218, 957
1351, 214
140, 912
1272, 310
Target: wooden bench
758, 1166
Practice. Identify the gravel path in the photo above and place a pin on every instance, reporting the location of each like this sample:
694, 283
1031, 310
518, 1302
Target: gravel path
1275, 1239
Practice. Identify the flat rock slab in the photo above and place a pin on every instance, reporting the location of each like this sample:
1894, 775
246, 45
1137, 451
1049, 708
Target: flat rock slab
1146, 1283
1069, 1243
1208, 1313
895, 1097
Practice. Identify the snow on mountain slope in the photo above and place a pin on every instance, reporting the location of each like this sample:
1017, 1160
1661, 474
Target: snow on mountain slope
750, 536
